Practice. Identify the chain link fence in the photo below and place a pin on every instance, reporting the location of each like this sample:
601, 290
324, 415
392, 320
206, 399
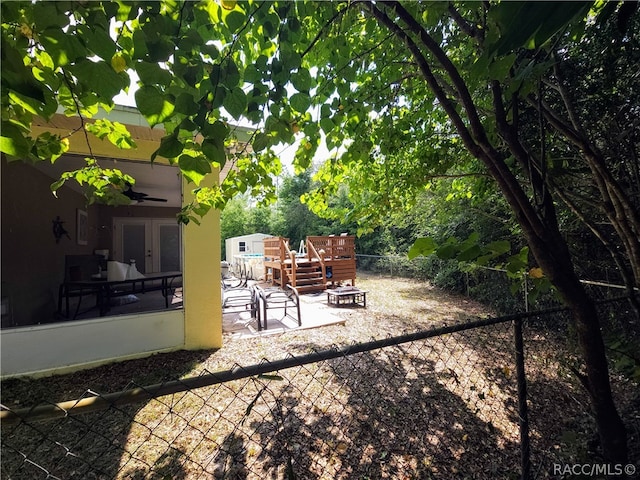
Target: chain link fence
491, 286
444, 403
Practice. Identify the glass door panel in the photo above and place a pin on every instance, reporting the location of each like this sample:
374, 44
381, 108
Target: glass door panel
133, 245
168, 249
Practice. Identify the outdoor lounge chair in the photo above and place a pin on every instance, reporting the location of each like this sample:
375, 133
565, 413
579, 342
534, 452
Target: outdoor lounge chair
286, 298
238, 297
233, 282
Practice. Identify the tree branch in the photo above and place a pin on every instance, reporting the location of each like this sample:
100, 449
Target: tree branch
465, 26
477, 143
325, 26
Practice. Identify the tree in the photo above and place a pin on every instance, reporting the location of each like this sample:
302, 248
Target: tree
408, 91
233, 221
296, 221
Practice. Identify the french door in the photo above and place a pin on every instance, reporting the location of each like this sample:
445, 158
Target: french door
154, 243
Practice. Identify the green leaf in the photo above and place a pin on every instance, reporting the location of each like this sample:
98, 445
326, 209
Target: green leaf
448, 251
160, 49
529, 24
236, 102
185, 104
424, 246
470, 254
153, 74
252, 75
300, 102
218, 97
230, 74
194, 168
216, 130
30, 104
291, 60
170, 147
260, 142
499, 247
234, 20
115, 132
500, 67
13, 142
213, 149
153, 105
302, 80
45, 15
326, 124
98, 41
64, 49
101, 78
55, 186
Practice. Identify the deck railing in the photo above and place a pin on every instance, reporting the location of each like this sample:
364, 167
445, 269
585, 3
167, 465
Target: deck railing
274, 248
313, 253
334, 247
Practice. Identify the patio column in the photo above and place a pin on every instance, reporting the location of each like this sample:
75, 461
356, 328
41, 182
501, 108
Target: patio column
201, 278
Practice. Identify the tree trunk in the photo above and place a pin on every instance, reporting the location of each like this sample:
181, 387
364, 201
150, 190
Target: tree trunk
610, 426
552, 254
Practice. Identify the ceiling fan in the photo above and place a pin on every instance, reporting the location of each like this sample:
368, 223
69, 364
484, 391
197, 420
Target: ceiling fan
139, 197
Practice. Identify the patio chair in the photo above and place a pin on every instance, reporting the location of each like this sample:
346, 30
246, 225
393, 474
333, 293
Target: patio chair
233, 282
78, 269
276, 297
240, 299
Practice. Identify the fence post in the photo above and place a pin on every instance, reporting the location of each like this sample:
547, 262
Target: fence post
466, 282
523, 415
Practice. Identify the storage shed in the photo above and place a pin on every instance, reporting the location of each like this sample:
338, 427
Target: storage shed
243, 248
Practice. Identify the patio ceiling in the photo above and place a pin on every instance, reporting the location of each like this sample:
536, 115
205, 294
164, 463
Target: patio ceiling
156, 180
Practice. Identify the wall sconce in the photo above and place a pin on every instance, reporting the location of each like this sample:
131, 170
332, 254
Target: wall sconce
58, 230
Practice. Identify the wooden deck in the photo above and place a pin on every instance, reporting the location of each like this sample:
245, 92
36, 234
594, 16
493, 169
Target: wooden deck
328, 261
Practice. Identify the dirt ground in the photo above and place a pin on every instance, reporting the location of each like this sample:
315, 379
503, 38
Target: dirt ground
470, 410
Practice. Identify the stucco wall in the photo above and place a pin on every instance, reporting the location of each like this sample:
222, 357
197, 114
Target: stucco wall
64, 347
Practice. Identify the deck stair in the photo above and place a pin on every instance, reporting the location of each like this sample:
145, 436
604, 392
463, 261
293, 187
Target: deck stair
308, 275
326, 260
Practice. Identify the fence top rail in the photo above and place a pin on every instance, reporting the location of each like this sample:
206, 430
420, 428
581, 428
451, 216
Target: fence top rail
98, 402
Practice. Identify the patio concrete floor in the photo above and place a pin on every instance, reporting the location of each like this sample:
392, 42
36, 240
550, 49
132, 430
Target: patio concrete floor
314, 312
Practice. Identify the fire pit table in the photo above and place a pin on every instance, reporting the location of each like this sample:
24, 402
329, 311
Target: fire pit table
347, 297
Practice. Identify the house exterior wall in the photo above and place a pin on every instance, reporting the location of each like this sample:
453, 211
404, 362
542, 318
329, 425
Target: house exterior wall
202, 297
66, 347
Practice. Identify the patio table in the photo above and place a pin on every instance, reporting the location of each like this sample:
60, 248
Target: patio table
105, 290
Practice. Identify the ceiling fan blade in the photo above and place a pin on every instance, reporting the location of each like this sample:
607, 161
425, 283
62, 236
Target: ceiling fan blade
140, 196
152, 199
